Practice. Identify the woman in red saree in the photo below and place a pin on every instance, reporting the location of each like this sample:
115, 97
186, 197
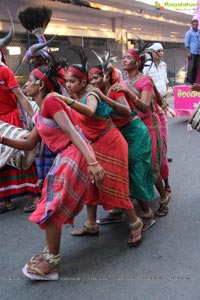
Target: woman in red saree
110, 148
70, 178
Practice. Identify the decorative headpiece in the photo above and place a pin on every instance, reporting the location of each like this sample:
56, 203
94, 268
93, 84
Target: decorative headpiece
80, 70
105, 66
35, 21
51, 74
141, 48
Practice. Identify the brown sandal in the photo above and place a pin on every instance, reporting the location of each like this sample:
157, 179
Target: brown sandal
163, 208
87, 229
31, 205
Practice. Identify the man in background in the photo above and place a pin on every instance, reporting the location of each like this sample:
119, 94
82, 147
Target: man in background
192, 45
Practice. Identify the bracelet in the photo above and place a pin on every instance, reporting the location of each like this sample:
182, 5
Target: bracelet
93, 164
115, 105
71, 103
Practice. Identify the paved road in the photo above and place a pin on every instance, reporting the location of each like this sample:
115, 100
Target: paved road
165, 266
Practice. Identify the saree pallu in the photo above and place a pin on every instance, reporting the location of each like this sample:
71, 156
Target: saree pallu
141, 182
152, 122
164, 169
66, 187
16, 183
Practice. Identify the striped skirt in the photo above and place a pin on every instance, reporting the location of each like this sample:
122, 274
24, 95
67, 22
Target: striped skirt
16, 183
66, 187
111, 151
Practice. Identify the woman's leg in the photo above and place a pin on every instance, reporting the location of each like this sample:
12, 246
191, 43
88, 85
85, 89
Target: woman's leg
135, 226
90, 227
46, 266
164, 199
147, 214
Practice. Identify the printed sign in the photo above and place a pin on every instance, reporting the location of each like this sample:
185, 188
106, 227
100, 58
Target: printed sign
184, 98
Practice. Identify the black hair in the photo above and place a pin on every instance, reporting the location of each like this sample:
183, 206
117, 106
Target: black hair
52, 71
194, 21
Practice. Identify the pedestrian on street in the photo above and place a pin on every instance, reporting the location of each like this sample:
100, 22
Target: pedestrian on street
192, 45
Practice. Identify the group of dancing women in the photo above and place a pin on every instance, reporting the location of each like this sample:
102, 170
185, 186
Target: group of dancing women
108, 145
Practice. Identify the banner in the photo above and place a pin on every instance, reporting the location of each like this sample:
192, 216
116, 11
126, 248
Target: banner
185, 100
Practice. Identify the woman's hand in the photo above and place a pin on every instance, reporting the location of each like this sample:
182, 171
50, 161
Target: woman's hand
96, 173
195, 87
54, 94
96, 90
117, 87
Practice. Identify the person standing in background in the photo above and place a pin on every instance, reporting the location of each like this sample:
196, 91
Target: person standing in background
192, 45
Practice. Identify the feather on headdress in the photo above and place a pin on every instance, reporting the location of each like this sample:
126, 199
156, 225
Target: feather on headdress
142, 46
82, 56
35, 19
105, 61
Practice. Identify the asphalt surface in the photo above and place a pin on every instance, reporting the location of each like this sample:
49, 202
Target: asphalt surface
165, 265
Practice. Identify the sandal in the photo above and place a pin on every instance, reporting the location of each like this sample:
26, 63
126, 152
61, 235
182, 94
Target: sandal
163, 208
87, 229
31, 205
38, 257
110, 219
45, 269
162, 211
148, 220
6, 206
147, 224
135, 237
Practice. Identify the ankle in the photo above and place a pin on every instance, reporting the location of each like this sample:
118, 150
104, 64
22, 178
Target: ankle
91, 225
136, 225
52, 259
147, 214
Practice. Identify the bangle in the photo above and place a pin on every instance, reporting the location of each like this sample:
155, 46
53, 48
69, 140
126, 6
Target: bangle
93, 164
71, 103
115, 105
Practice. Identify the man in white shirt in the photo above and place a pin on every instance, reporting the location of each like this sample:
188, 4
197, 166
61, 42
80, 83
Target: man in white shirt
158, 69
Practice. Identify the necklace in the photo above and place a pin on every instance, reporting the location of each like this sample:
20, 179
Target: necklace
136, 77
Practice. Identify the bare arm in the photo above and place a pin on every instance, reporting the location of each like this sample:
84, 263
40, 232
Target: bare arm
22, 144
121, 105
23, 101
87, 109
95, 171
142, 103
